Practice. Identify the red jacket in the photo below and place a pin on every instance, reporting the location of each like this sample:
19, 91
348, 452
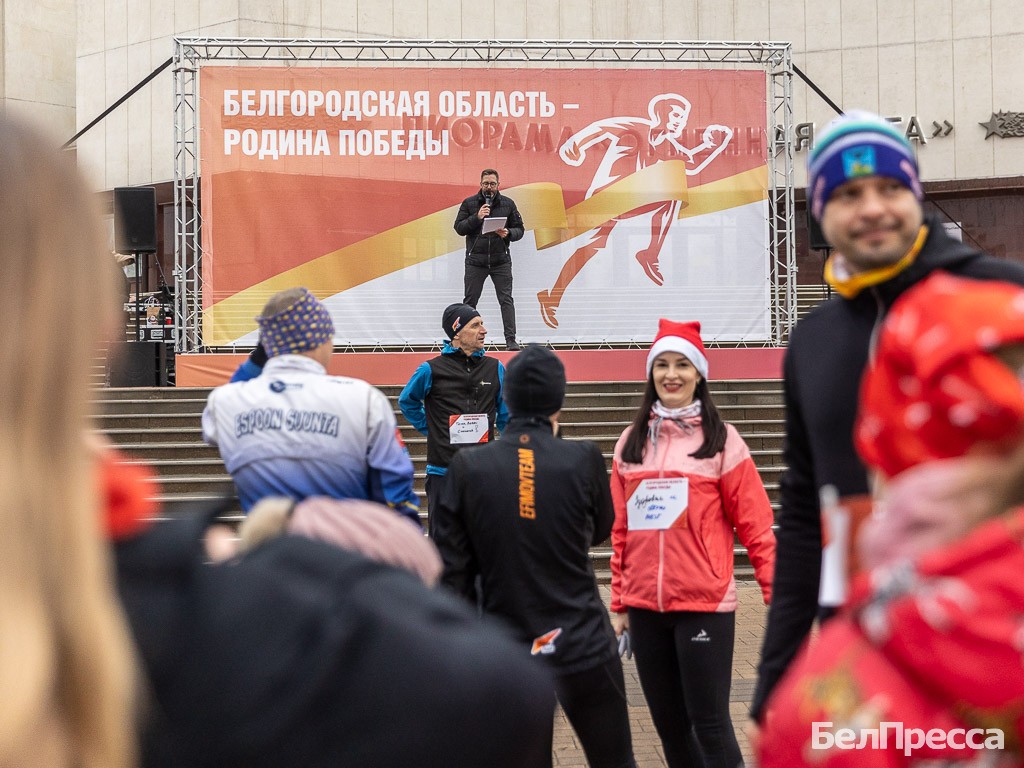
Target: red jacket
935, 643
689, 565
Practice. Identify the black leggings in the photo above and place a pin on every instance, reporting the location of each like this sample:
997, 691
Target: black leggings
684, 659
594, 701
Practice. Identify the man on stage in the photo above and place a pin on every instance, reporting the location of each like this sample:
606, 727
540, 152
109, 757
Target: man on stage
487, 252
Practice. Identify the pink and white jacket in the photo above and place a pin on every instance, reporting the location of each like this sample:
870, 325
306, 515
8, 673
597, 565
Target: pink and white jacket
689, 566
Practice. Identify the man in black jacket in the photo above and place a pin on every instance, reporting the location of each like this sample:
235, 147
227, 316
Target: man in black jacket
863, 188
487, 253
516, 521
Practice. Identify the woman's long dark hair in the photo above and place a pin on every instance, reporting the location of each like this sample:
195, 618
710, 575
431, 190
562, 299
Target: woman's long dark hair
711, 424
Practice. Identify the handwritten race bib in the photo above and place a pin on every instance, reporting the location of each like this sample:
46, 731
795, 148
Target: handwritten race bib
657, 503
467, 428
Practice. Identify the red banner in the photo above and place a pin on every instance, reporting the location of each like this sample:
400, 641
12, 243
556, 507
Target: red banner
347, 180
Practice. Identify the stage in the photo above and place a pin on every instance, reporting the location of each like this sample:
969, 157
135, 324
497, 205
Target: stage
384, 368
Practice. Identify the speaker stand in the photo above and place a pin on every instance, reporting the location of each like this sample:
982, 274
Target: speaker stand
141, 263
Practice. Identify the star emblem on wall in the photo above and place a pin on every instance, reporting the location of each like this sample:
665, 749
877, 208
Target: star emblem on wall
1004, 124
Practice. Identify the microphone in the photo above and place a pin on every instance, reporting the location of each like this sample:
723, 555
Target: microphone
489, 199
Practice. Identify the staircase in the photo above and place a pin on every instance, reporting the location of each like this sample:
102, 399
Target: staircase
161, 427
810, 296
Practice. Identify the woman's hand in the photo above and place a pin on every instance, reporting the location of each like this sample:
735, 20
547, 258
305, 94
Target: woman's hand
620, 623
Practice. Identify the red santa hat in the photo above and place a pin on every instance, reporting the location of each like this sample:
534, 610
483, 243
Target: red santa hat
683, 338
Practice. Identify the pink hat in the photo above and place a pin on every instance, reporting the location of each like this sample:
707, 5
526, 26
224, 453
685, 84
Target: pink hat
371, 529
683, 338
366, 527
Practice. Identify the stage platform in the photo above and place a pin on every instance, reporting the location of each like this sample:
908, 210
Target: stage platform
384, 368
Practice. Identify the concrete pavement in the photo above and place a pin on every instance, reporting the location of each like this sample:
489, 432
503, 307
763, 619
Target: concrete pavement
751, 616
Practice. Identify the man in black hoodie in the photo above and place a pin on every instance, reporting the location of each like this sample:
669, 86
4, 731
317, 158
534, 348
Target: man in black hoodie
487, 253
516, 521
864, 189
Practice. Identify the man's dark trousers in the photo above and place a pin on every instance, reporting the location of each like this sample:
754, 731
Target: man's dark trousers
501, 276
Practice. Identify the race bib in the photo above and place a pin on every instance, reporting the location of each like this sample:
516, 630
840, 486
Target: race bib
657, 503
467, 428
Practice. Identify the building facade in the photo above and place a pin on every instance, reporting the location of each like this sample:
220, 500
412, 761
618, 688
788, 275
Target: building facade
946, 70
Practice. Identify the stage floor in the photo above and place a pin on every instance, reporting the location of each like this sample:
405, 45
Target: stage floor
384, 368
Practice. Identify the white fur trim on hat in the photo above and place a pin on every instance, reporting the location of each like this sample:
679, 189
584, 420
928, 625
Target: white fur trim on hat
683, 347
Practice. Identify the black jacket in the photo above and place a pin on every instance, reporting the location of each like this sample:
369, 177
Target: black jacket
522, 514
827, 354
304, 654
459, 383
488, 250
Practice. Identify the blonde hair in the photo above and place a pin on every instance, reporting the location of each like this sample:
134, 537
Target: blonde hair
66, 661
265, 521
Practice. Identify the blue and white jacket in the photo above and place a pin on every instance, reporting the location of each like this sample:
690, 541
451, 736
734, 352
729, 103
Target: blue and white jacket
295, 431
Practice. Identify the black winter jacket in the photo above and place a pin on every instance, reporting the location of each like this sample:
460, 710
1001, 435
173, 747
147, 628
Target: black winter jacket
828, 351
488, 250
303, 654
522, 513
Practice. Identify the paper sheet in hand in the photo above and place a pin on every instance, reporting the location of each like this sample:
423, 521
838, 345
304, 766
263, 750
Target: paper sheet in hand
493, 224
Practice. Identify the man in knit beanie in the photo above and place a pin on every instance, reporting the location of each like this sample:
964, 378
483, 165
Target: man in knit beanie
455, 398
514, 526
863, 188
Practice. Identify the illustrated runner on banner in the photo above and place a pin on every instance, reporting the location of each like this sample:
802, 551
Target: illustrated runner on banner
633, 143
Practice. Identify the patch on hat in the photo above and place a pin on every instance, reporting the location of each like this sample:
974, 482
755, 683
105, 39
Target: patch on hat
859, 161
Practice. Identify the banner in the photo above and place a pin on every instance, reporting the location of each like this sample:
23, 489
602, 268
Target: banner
643, 194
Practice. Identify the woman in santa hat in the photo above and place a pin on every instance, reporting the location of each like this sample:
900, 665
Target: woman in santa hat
683, 483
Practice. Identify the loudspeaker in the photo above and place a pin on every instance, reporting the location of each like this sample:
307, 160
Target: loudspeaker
815, 236
139, 364
135, 219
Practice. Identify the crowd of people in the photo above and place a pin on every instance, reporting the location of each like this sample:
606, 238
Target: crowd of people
332, 631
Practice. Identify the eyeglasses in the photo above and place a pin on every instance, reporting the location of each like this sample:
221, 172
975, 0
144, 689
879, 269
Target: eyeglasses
488, 183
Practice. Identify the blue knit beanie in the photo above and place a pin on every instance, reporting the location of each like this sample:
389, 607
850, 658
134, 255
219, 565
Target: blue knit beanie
856, 145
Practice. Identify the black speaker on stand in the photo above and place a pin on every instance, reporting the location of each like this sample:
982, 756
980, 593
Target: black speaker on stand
815, 236
140, 363
135, 232
817, 242
135, 219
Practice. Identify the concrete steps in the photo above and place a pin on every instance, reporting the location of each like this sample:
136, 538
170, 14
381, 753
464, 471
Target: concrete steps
161, 427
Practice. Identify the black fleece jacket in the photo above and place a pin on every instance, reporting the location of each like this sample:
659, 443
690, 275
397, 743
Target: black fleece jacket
827, 354
522, 514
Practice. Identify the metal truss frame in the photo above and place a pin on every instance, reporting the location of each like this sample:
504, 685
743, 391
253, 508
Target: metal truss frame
775, 58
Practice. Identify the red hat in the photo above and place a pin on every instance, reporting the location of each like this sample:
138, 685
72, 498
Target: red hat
935, 390
683, 338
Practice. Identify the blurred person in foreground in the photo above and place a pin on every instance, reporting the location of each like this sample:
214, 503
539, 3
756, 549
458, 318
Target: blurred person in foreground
865, 190
67, 668
297, 653
932, 636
